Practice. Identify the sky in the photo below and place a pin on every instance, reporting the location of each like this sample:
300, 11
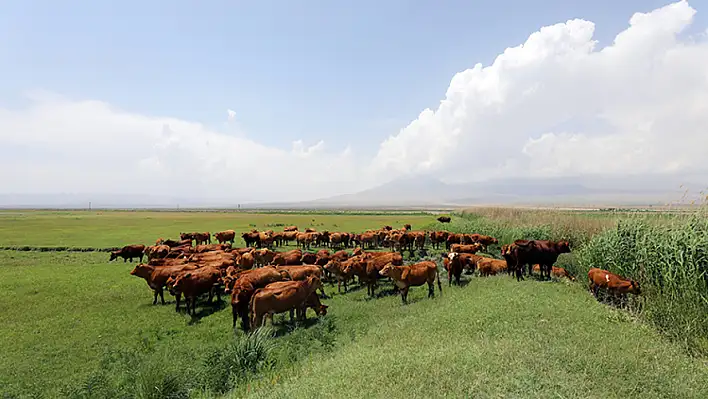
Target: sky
285, 101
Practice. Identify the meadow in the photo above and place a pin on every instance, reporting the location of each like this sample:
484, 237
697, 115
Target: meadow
74, 325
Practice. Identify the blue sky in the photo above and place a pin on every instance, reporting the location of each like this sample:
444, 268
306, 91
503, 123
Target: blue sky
347, 72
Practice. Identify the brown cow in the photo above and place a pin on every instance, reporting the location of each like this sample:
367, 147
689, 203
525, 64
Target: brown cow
413, 275
201, 238
267, 301
616, 285
337, 268
323, 256
290, 228
310, 230
251, 239
193, 283
225, 236
186, 236
368, 265
156, 276
292, 257
247, 260
557, 272
263, 256
312, 302
336, 240
288, 236
301, 272
438, 237
466, 248
157, 252
211, 247
243, 287
129, 252
454, 266
490, 267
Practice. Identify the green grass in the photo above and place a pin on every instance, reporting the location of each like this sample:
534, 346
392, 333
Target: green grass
102, 229
74, 325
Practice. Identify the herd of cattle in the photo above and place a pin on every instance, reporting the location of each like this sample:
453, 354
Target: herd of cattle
262, 281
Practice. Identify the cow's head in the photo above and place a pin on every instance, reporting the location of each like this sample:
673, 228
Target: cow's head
452, 256
323, 310
563, 247
634, 287
386, 270
141, 270
114, 255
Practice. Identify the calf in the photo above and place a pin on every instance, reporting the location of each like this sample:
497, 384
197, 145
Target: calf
557, 272
615, 284
490, 267
129, 252
268, 301
413, 275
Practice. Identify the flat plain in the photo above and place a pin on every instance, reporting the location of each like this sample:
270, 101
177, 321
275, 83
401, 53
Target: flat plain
75, 325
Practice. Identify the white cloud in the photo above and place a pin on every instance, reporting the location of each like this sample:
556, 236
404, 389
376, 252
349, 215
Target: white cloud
553, 106
231, 114
645, 96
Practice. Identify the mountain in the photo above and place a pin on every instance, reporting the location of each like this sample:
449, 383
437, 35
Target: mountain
599, 190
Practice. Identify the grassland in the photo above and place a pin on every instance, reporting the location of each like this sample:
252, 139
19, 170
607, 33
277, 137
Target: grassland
75, 325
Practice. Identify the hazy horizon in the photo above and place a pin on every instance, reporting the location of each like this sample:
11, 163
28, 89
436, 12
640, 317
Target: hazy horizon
271, 102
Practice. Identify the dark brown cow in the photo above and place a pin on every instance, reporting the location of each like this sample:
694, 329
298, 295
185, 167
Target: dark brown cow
251, 239
268, 301
157, 276
201, 238
529, 252
186, 236
193, 283
225, 236
454, 266
407, 226
412, 276
172, 243
308, 258
444, 219
129, 252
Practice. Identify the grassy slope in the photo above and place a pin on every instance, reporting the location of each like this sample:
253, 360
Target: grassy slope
495, 338
115, 228
62, 312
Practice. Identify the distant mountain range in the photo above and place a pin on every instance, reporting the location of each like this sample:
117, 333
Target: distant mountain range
419, 191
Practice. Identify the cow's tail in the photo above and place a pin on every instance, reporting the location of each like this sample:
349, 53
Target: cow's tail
250, 309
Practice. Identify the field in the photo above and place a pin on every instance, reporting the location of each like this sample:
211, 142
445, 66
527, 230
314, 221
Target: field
75, 325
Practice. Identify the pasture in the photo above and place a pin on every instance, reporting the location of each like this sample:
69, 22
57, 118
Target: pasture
74, 325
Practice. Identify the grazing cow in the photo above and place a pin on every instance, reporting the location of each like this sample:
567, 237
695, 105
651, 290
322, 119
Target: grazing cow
368, 265
290, 228
157, 252
129, 252
616, 285
413, 275
312, 302
186, 236
292, 257
193, 283
225, 236
244, 285
466, 248
323, 256
557, 272
268, 301
156, 276
444, 219
543, 252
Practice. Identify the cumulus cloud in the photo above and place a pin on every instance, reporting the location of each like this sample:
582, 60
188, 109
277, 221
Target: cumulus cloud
557, 105
230, 114
60, 145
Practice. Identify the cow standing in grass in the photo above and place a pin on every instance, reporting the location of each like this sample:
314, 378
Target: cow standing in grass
413, 275
129, 252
